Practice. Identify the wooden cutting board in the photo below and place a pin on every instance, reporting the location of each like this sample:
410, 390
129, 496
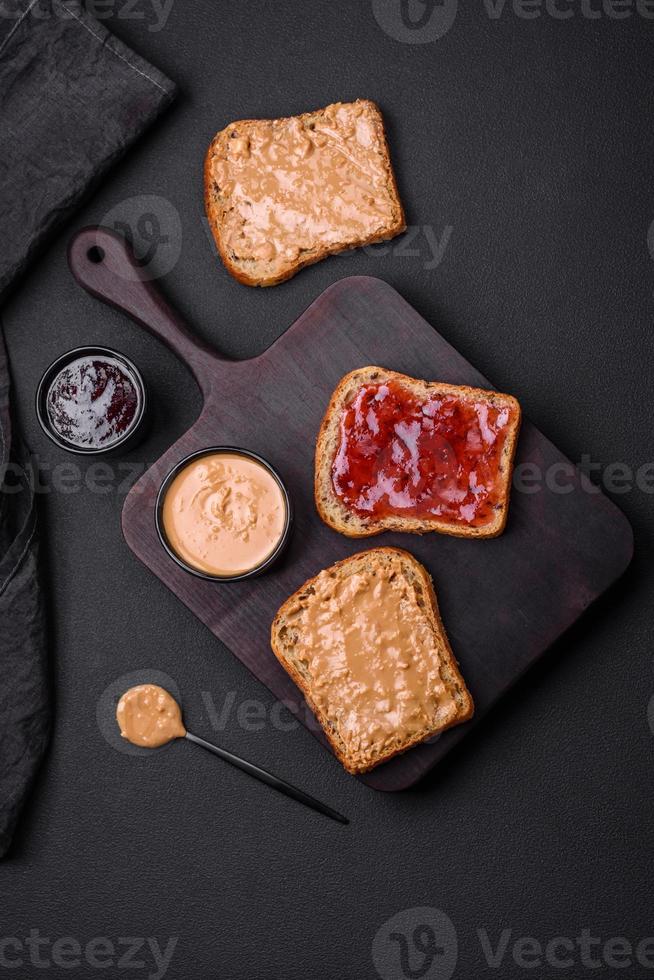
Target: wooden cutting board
503, 601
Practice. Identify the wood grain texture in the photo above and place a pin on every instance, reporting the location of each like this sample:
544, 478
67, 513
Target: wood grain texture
503, 601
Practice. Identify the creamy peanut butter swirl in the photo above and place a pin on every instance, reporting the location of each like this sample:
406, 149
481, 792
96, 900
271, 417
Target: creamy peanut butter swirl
372, 658
149, 716
224, 514
295, 185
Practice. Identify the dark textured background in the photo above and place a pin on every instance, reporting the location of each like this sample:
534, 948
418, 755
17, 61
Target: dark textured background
532, 139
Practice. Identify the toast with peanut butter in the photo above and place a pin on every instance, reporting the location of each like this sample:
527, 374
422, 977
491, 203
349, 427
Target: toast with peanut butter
397, 454
365, 644
281, 194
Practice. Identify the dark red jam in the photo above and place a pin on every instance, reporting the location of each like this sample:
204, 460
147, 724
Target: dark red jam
92, 402
402, 456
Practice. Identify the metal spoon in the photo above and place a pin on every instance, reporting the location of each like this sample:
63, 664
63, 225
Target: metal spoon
149, 716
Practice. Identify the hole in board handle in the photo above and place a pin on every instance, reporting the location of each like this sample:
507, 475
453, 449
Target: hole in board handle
95, 254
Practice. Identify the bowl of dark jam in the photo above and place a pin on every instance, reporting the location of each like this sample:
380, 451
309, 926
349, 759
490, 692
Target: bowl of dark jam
92, 400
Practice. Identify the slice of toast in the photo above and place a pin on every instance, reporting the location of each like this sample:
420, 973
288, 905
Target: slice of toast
281, 194
476, 515
365, 644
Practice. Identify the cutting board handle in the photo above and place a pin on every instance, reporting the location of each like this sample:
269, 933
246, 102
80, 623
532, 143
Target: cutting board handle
104, 264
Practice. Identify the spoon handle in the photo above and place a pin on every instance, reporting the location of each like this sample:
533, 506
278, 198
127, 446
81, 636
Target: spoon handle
268, 778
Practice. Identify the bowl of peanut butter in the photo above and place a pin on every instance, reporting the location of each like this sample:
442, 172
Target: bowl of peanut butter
224, 514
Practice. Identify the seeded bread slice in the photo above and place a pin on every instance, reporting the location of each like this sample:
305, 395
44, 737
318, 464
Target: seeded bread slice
342, 518
443, 706
325, 178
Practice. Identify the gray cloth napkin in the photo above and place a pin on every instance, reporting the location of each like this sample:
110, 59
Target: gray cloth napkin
24, 687
72, 100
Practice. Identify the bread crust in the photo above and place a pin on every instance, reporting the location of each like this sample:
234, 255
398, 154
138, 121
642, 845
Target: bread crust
466, 709
339, 517
307, 258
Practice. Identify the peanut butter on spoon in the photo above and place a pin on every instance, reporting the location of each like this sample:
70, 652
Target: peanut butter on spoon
149, 716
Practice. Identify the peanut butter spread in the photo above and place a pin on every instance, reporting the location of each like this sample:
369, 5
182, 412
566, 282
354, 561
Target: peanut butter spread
149, 716
224, 514
371, 659
297, 184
